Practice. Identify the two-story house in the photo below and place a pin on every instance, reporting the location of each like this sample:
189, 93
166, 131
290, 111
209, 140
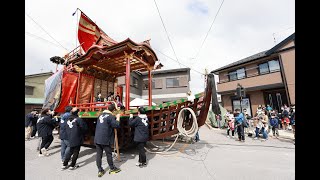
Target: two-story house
167, 85
34, 90
268, 78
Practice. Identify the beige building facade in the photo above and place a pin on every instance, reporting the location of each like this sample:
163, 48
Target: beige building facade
34, 90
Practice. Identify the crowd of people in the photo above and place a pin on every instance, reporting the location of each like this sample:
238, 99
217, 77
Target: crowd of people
73, 129
265, 120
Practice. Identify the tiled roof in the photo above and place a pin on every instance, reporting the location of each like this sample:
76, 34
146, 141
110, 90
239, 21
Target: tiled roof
245, 60
258, 55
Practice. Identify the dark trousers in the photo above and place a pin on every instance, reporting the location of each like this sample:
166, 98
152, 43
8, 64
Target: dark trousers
34, 130
46, 141
108, 151
232, 132
275, 131
142, 152
197, 138
74, 152
240, 130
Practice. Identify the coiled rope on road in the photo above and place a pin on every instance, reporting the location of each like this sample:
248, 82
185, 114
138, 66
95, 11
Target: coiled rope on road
182, 131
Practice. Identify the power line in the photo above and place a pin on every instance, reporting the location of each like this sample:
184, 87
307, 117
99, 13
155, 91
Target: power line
284, 29
177, 61
38, 37
209, 29
167, 33
46, 31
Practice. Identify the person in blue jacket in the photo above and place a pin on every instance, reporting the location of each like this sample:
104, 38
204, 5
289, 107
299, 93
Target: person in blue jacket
239, 118
63, 133
75, 128
104, 138
141, 134
274, 122
45, 126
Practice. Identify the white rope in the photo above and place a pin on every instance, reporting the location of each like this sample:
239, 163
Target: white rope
165, 151
194, 128
182, 131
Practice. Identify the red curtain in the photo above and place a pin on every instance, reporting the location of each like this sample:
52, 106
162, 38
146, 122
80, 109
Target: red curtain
85, 89
69, 87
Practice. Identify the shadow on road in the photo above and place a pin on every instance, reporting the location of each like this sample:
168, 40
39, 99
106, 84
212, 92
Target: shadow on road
131, 153
92, 158
125, 155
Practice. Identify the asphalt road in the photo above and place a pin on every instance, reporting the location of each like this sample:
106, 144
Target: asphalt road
214, 157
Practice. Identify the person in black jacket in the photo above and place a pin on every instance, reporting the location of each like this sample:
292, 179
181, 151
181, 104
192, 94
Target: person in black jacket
45, 126
104, 138
28, 124
65, 148
141, 134
75, 128
34, 124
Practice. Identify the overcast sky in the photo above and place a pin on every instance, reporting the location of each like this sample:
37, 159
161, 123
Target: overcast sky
242, 28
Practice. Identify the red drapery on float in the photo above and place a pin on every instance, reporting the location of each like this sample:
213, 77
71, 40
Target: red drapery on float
69, 87
85, 89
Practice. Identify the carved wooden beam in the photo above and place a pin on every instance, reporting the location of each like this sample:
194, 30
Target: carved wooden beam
130, 55
102, 69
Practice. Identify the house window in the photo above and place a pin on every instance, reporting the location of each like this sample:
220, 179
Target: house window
233, 75
134, 82
263, 68
270, 66
28, 90
241, 73
274, 65
172, 82
156, 84
237, 74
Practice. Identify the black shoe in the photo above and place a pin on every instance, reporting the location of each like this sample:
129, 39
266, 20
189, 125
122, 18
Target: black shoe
101, 173
144, 164
73, 167
114, 170
64, 167
141, 165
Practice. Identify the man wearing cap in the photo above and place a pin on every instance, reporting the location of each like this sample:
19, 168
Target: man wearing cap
75, 129
104, 138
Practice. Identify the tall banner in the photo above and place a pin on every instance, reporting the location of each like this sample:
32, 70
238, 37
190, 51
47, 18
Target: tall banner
88, 32
52, 90
68, 90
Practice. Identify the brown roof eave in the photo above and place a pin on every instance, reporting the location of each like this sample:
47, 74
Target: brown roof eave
94, 48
